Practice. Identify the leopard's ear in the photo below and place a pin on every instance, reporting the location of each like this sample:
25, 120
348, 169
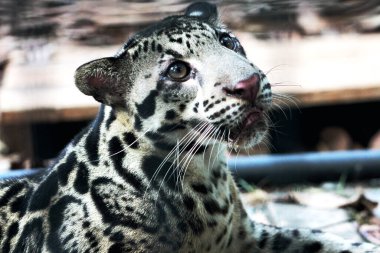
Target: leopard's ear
103, 79
204, 11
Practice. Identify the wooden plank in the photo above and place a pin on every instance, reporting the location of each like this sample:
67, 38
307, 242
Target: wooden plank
315, 71
336, 96
89, 112
49, 115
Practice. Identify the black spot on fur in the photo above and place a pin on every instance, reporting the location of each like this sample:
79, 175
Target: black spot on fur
313, 247
11, 192
209, 107
146, 44
116, 248
12, 231
242, 233
138, 123
160, 86
223, 174
159, 48
189, 202
92, 146
18, 205
196, 107
135, 55
216, 174
117, 237
182, 227
200, 188
170, 115
212, 223
117, 154
280, 243
296, 233
164, 145
171, 127
66, 168
81, 183
263, 240
148, 105
131, 140
212, 207
265, 87
175, 54
154, 136
153, 46
56, 219
149, 167
85, 224
32, 237
44, 192
182, 107
196, 225
68, 239
221, 235
111, 118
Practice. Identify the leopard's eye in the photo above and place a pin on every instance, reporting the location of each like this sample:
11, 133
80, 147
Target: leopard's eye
179, 71
228, 41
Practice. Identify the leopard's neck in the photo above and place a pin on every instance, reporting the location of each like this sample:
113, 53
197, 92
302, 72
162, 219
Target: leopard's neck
112, 144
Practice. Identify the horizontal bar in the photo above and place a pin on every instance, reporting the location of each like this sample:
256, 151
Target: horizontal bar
291, 168
311, 167
13, 174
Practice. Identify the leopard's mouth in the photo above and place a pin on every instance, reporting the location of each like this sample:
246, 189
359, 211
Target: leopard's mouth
251, 130
254, 116
246, 130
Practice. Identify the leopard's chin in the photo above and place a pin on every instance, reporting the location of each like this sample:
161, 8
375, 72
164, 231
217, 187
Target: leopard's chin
250, 132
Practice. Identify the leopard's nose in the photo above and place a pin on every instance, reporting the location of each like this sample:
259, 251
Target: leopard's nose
245, 89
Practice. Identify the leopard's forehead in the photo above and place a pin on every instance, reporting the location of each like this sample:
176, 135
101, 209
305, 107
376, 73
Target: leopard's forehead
170, 31
176, 25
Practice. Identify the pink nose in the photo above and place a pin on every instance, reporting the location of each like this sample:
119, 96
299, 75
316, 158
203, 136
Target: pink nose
246, 89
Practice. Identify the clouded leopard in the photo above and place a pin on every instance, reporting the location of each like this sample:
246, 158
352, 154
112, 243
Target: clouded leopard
149, 174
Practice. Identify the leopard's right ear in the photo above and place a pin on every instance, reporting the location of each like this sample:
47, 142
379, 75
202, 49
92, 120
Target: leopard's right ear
104, 79
204, 11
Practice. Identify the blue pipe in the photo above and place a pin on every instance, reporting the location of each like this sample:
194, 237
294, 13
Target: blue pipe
312, 167
13, 174
294, 168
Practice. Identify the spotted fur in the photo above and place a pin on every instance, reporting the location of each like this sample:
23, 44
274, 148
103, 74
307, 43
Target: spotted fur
149, 174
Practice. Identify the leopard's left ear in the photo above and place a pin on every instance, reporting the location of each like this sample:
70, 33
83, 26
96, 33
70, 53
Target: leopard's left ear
203, 10
104, 80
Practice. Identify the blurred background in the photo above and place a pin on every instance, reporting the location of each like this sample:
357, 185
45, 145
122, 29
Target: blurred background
322, 58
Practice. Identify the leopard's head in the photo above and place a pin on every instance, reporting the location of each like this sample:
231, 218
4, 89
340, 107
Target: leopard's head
185, 74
